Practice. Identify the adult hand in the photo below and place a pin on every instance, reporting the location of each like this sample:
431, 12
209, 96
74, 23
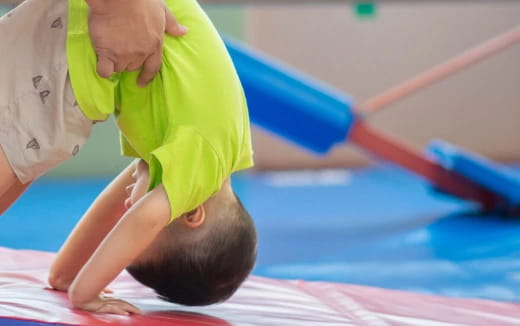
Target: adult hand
128, 35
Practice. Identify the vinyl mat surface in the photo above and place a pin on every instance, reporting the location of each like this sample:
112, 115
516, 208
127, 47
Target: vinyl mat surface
25, 300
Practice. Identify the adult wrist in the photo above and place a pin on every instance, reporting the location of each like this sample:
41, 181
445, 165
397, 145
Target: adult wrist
98, 4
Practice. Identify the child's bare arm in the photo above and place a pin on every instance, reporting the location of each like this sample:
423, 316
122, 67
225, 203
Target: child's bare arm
130, 237
100, 218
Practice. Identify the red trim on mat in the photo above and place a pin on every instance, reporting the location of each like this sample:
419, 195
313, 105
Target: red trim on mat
404, 155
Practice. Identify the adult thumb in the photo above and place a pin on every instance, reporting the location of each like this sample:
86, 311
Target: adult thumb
172, 26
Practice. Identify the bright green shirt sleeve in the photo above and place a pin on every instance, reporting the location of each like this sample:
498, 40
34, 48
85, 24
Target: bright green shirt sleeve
188, 168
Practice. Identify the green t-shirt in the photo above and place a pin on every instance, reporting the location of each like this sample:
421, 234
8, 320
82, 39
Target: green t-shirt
190, 124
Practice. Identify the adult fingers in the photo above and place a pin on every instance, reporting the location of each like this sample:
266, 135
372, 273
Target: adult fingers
172, 25
151, 66
105, 66
120, 65
136, 64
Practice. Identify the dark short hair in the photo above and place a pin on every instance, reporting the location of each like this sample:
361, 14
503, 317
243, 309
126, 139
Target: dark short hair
206, 271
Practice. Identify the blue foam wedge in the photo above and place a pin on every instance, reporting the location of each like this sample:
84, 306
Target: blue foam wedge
496, 177
290, 104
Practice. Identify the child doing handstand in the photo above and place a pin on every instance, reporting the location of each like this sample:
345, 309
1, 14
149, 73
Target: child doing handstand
171, 218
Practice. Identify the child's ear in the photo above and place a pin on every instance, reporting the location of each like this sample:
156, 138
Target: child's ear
195, 217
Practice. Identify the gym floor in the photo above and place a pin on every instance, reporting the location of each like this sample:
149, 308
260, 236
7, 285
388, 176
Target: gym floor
378, 226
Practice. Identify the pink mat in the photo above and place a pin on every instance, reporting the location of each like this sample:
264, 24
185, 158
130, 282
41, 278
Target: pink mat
260, 302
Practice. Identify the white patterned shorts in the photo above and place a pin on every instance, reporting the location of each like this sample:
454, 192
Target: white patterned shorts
41, 124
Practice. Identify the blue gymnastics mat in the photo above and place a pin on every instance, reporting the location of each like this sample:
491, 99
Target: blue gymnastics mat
378, 226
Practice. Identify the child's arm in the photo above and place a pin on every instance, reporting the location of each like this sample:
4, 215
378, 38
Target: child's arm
135, 231
100, 218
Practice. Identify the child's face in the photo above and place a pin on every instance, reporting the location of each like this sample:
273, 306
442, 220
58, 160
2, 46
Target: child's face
138, 189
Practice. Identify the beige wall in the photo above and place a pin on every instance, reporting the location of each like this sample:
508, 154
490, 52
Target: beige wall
478, 109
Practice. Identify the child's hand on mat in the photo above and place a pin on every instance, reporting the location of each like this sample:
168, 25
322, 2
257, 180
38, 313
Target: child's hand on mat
109, 305
128, 35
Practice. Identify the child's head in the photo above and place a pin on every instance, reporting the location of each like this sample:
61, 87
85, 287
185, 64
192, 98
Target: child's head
204, 255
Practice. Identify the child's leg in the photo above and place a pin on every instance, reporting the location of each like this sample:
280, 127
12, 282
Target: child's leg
7, 176
12, 195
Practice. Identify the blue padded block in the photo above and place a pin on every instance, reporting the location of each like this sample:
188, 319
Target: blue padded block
290, 104
498, 178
